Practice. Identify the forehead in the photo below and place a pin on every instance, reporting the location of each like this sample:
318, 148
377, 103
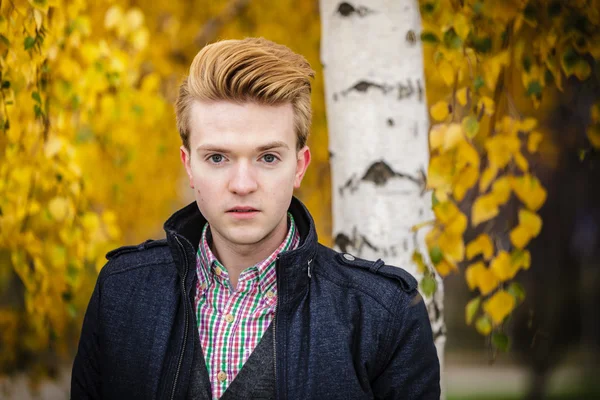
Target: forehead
231, 123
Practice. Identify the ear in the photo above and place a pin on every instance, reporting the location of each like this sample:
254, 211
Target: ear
185, 160
303, 159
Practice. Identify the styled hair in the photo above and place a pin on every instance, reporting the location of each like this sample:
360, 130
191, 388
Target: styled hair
252, 69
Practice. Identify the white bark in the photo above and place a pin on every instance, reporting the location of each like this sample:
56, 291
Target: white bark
378, 125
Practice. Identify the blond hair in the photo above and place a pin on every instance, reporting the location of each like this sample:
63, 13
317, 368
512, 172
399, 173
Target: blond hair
252, 69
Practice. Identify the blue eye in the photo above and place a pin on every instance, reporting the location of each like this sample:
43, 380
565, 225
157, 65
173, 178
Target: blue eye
216, 158
269, 158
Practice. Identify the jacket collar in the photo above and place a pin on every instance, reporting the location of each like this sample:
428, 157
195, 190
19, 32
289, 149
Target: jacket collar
184, 230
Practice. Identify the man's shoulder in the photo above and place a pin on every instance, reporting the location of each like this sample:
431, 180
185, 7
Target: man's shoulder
133, 257
385, 282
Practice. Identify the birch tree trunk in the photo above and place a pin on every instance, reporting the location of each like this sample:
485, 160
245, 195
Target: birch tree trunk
378, 133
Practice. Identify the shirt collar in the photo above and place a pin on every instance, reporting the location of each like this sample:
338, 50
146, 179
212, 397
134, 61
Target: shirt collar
208, 266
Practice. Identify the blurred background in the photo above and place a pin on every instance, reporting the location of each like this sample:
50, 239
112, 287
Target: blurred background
89, 161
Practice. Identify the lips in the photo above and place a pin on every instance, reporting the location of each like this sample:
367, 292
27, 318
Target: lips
241, 209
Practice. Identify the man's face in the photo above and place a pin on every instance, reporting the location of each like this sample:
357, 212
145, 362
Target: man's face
243, 166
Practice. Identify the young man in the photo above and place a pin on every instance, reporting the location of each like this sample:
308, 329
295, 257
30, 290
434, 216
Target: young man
240, 301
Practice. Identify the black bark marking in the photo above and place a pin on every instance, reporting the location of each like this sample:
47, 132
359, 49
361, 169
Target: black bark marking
420, 212
420, 90
411, 37
355, 243
364, 86
416, 129
405, 245
390, 122
331, 154
335, 97
346, 9
380, 173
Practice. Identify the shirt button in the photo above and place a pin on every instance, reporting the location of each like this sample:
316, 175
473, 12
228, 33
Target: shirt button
349, 257
270, 294
218, 271
221, 376
203, 286
229, 318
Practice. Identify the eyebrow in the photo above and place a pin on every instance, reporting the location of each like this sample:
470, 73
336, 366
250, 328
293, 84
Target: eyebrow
265, 147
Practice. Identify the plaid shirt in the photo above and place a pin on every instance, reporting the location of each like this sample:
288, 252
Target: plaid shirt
232, 322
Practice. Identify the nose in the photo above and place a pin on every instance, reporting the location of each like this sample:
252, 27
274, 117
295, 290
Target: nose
243, 180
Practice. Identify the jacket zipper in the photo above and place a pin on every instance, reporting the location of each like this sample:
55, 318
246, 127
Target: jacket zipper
185, 271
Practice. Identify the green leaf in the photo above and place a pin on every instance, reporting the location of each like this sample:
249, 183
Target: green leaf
434, 200
570, 58
517, 291
534, 89
471, 309
483, 325
36, 96
429, 37
527, 63
482, 45
29, 42
435, 254
452, 40
428, 285
500, 341
471, 126
38, 111
5, 40
478, 83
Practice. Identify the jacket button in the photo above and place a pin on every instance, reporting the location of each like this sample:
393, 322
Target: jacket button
349, 257
221, 376
229, 318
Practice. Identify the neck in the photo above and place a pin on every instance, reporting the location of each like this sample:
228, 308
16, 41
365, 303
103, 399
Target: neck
237, 257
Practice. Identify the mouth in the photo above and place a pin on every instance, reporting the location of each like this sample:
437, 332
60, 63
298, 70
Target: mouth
242, 210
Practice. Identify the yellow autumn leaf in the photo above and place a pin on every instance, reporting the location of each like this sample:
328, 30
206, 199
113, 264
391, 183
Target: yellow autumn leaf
501, 189
462, 95
484, 208
447, 72
440, 110
417, 258
529, 190
582, 70
595, 112
452, 246
453, 136
479, 276
461, 25
593, 135
445, 211
59, 208
492, 68
520, 236
436, 136
528, 124
521, 161
444, 268
499, 306
466, 155
458, 225
486, 104
471, 309
464, 181
440, 171
533, 142
530, 221
500, 149
487, 177
482, 244
471, 126
502, 266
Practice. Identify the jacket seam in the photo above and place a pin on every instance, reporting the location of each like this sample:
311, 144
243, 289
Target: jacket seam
128, 269
326, 276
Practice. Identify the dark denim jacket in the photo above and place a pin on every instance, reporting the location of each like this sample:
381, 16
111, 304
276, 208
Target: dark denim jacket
345, 328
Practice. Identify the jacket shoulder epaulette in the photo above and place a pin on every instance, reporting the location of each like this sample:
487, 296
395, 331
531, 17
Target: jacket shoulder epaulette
407, 282
135, 248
